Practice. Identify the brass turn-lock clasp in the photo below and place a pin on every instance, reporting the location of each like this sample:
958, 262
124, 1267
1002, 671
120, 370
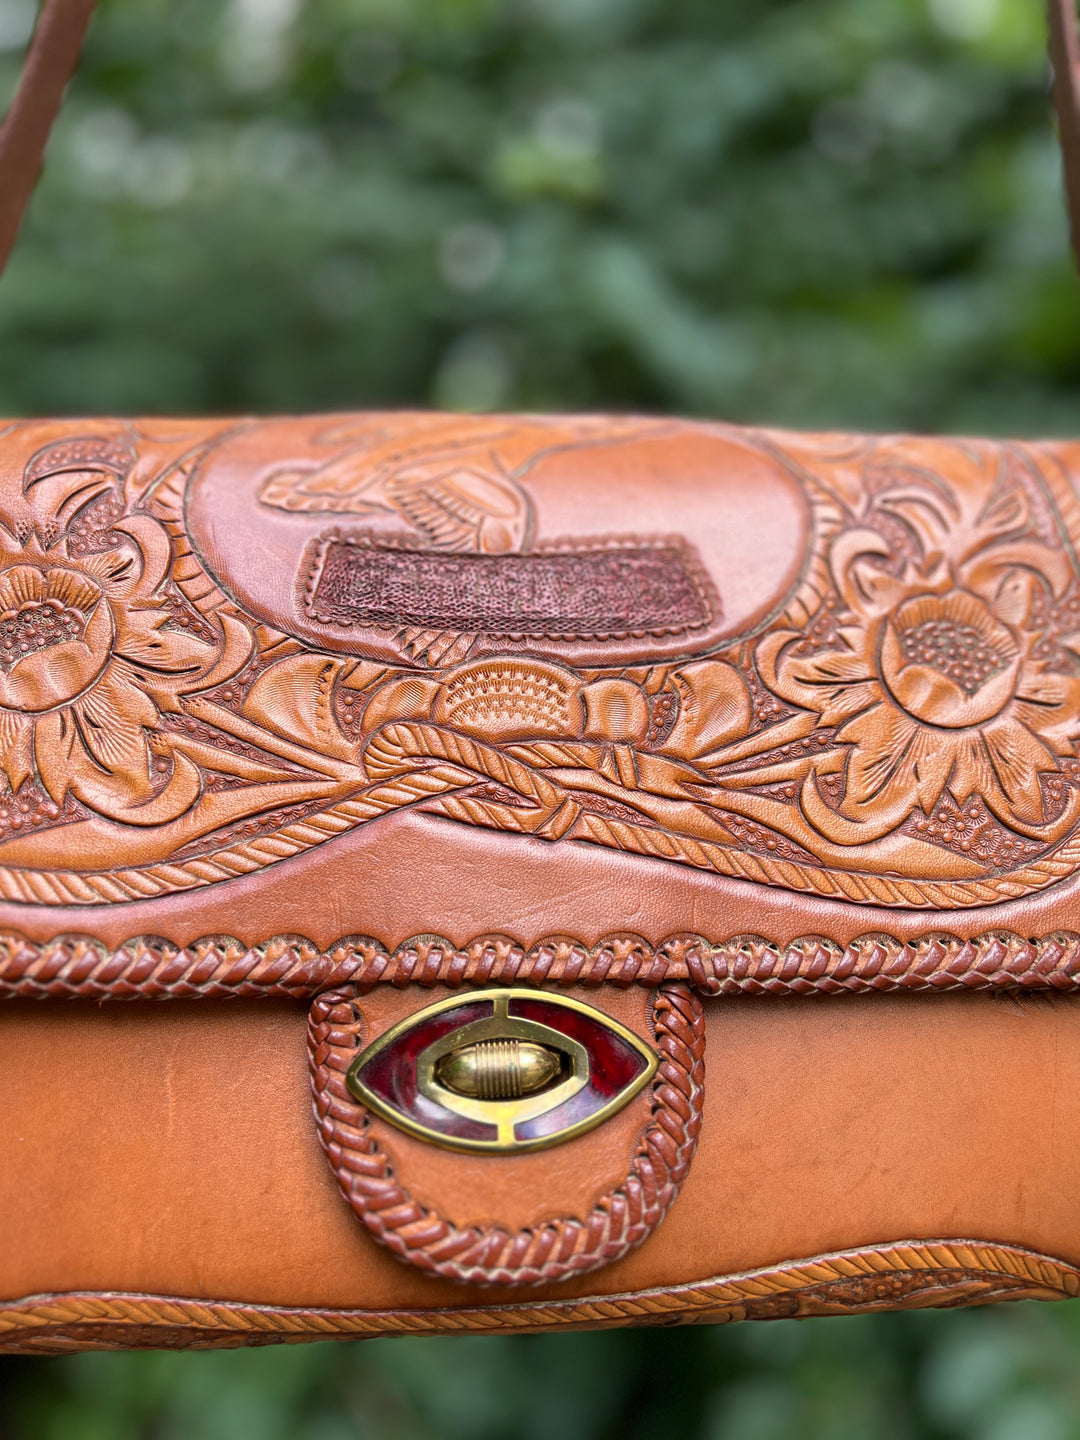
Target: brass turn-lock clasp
502, 1070
499, 1069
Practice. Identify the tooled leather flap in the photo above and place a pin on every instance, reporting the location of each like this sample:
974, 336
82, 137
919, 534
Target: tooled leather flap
602, 658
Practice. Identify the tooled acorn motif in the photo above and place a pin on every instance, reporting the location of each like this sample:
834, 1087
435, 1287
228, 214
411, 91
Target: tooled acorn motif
922, 682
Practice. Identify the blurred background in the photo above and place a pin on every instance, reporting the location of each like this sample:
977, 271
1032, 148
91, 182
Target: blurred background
800, 212
828, 212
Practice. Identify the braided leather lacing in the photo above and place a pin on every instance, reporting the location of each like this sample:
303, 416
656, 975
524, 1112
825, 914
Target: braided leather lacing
289, 966
490, 1254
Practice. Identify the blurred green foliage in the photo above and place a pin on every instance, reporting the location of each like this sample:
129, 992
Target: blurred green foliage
1005, 1374
809, 212
805, 212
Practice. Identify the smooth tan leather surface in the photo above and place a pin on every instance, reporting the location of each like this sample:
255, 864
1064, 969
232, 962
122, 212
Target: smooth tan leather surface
170, 1149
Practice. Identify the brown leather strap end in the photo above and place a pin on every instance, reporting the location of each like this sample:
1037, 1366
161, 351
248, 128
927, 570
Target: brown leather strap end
1065, 89
53, 54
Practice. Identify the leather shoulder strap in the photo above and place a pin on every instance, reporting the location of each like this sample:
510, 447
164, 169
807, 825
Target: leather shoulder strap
1065, 88
53, 53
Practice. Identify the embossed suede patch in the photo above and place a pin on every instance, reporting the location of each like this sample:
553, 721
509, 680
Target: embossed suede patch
585, 593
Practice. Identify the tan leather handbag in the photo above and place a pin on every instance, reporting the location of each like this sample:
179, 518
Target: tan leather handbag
652, 846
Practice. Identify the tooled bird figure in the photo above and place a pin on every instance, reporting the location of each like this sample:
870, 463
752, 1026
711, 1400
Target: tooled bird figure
455, 486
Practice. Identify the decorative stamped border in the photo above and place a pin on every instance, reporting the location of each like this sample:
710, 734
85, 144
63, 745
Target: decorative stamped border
215, 967
906, 1275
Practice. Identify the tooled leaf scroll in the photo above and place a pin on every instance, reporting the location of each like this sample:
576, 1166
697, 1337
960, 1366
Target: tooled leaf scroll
903, 730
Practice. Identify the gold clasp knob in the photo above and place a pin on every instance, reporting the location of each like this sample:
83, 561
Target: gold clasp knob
504, 1069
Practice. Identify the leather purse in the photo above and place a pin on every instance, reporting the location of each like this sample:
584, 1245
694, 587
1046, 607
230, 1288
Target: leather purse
464, 874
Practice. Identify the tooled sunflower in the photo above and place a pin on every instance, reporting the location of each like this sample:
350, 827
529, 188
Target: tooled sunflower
932, 679
88, 665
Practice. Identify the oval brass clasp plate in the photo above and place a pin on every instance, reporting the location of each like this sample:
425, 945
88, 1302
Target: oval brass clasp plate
502, 1070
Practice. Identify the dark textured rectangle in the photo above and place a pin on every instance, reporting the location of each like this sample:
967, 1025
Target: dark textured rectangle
583, 594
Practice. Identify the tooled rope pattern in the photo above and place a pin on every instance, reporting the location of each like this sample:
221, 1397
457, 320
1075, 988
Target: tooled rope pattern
77, 967
905, 1275
489, 1254
389, 754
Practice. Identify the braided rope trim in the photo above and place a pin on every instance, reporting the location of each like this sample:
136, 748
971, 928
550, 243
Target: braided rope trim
491, 1255
78, 967
908, 1275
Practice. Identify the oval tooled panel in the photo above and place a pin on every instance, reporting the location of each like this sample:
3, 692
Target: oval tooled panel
424, 539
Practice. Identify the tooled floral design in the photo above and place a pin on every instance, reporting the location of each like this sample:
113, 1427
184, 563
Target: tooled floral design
902, 731
935, 681
88, 666
857, 733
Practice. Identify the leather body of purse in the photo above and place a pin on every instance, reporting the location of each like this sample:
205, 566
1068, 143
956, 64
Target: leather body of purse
463, 874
